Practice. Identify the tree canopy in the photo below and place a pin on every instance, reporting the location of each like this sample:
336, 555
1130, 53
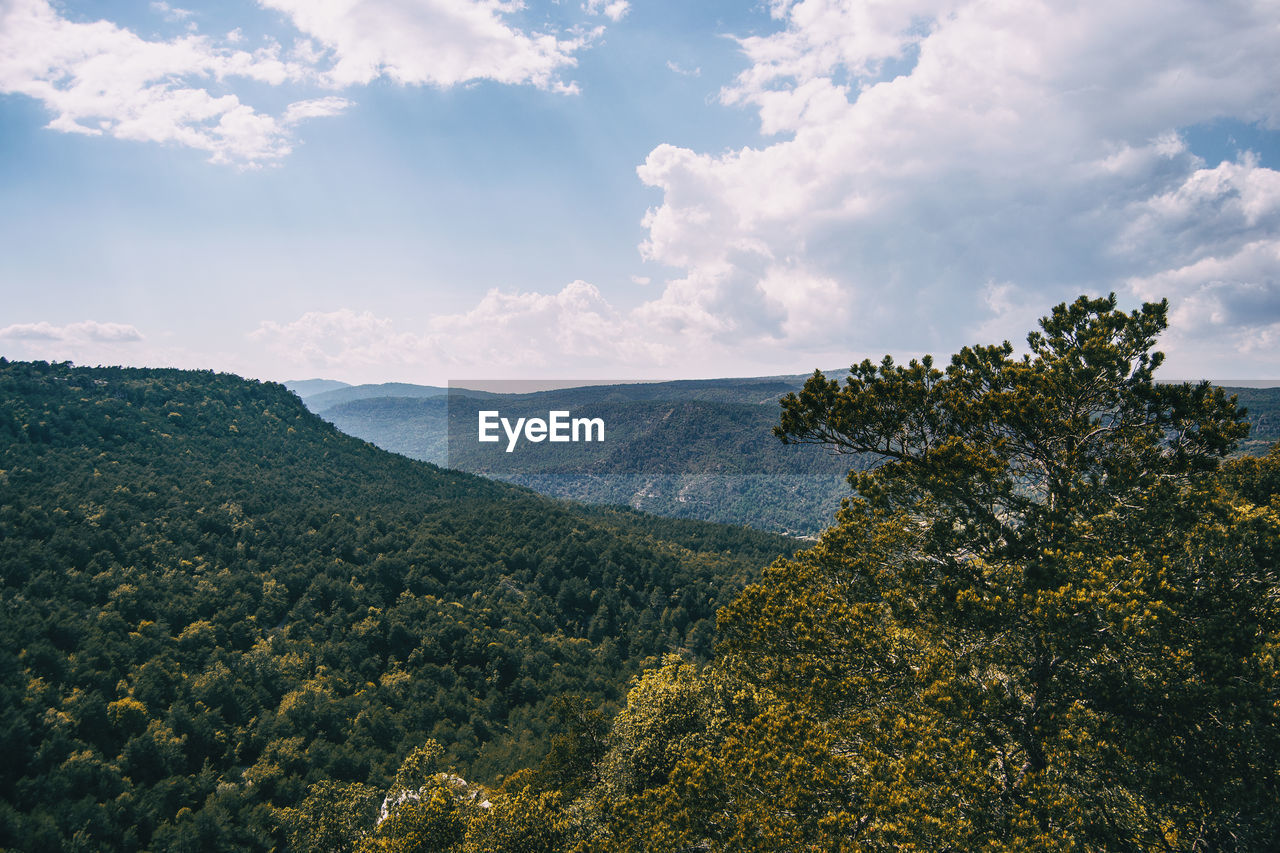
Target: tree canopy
1009, 454
1049, 619
212, 601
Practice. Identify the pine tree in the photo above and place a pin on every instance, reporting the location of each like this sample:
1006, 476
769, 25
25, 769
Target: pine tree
1048, 620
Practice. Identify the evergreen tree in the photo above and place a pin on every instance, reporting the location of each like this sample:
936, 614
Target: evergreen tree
1049, 620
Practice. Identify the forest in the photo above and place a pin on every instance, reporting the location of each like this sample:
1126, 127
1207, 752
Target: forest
1047, 619
213, 599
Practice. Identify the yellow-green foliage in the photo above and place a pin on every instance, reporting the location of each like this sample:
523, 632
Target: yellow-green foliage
1051, 623
334, 817
523, 822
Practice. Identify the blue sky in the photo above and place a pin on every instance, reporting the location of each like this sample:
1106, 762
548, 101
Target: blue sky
376, 190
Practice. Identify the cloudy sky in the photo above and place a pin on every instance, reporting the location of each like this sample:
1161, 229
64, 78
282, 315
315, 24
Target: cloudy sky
425, 190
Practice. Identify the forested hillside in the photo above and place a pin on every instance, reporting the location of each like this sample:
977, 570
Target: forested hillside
1049, 620
213, 599
1263, 407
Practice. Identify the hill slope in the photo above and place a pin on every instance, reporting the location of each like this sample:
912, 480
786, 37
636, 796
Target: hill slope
212, 598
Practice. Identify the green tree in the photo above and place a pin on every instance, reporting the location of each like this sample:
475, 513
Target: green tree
333, 817
523, 822
578, 744
1007, 456
669, 711
426, 810
433, 820
1049, 620
1045, 621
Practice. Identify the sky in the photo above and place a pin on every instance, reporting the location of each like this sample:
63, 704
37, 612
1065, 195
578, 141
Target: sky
441, 190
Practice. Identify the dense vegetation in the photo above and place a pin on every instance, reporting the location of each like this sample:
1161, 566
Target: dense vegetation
1263, 406
212, 599
1050, 622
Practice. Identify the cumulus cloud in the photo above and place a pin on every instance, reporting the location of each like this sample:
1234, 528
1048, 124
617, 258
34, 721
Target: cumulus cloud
88, 341
327, 339
437, 42
101, 79
575, 332
541, 330
614, 10
83, 332
1233, 299
933, 160
505, 334
1208, 214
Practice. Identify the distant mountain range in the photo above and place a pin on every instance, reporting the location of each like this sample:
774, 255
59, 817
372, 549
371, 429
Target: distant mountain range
321, 394
310, 387
686, 449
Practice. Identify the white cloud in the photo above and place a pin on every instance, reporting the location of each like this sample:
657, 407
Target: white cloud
1232, 299
100, 79
170, 13
614, 10
329, 339
574, 333
505, 334
85, 342
434, 42
928, 149
90, 342
1210, 212
677, 68
315, 108
82, 332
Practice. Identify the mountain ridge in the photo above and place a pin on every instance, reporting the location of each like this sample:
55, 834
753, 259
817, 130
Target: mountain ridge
723, 463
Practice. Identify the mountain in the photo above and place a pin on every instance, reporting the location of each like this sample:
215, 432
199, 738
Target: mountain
694, 449
1264, 417
416, 427
213, 598
320, 401
309, 387
701, 450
